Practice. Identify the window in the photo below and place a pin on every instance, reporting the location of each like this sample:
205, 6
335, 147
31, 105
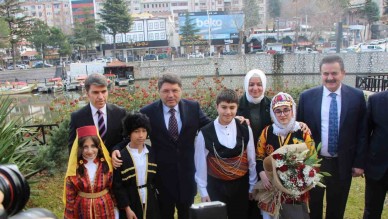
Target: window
162, 36
150, 36
156, 25
134, 38
141, 37
139, 27
162, 25
150, 26
66, 5
156, 36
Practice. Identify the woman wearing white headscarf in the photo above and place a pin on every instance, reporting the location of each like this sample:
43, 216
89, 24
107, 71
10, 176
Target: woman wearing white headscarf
254, 105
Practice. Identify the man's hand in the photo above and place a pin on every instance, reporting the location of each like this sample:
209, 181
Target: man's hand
129, 213
305, 129
116, 159
242, 120
205, 199
356, 172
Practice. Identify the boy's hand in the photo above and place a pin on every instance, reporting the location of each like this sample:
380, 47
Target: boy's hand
242, 120
116, 159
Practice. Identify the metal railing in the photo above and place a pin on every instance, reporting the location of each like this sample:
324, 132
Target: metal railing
39, 134
375, 83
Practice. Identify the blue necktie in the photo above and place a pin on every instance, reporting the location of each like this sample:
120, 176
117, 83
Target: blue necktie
333, 125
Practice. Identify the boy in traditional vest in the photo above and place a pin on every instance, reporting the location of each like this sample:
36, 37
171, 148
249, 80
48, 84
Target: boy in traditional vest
225, 159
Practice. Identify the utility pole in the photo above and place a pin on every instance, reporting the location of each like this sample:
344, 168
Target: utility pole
209, 32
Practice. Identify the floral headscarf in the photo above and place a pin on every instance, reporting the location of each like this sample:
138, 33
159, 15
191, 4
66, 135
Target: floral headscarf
283, 99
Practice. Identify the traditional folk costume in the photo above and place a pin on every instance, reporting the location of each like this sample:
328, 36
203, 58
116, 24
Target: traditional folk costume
88, 196
225, 165
276, 136
134, 183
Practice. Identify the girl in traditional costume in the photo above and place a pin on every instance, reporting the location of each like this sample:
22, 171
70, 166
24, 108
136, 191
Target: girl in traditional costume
88, 179
134, 180
284, 131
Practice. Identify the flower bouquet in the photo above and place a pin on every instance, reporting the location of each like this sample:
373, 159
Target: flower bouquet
293, 170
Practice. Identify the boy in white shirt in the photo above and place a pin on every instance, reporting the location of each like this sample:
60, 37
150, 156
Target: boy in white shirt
225, 159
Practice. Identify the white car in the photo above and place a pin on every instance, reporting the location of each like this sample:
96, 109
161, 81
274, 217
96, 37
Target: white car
22, 66
196, 55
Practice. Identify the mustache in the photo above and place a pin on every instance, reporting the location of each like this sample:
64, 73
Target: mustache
330, 81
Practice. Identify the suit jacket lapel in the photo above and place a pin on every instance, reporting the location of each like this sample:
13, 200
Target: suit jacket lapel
345, 99
182, 110
89, 115
109, 122
161, 123
317, 102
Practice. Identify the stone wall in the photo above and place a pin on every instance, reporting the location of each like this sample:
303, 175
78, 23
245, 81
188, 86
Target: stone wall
291, 70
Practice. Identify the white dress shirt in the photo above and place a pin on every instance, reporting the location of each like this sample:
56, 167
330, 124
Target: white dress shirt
92, 169
140, 163
226, 135
95, 115
325, 108
167, 116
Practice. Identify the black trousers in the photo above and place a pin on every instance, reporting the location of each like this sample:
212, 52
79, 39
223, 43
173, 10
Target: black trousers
337, 191
375, 192
233, 193
167, 205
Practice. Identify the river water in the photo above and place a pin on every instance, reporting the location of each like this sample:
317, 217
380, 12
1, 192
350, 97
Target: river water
34, 109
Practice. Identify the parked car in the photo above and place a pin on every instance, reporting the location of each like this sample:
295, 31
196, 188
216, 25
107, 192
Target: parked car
196, 55
40, 65
162, 56
10, 67
150, 57
22, 66
256, 51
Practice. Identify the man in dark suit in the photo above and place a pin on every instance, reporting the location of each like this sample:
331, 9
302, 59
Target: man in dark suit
376, 170
97, 92
172, 136
336, 115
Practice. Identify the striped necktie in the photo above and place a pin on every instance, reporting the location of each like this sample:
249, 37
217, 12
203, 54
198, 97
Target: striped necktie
101, 124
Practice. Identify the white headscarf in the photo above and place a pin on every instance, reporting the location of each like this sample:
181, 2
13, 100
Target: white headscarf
292, 126
254, 73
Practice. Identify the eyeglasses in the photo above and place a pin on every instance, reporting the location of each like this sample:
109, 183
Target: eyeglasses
285, 112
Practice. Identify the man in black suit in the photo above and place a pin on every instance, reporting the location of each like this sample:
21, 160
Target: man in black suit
174, 149
376, 170
97, 92
336, 115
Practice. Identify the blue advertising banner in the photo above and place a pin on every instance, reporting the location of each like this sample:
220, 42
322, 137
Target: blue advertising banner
223, 25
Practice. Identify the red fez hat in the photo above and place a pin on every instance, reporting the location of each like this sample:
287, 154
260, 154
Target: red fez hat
90, 130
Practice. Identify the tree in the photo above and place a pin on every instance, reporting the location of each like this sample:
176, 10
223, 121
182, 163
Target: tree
371, 13
115, 19
44, 37
274, 8
189, 32
18, 25
86, 34
251, 12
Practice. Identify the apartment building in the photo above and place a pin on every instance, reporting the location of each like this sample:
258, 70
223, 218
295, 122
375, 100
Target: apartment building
55, 13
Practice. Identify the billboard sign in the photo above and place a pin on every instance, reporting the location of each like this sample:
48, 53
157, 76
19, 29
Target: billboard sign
215, 24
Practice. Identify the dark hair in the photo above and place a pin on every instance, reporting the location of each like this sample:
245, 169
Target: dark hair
332, 59
96, 141
95, 79
227, 95
169, 78
133, 121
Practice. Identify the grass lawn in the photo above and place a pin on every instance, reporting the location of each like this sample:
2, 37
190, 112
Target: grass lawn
47, 193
